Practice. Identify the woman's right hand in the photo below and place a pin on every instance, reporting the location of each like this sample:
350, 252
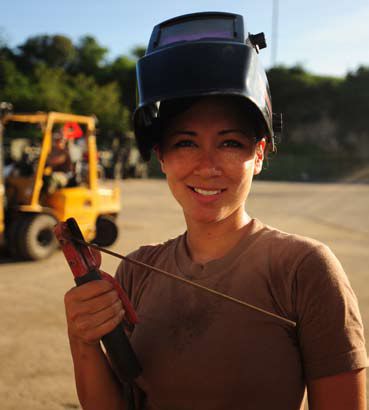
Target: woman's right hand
92, 310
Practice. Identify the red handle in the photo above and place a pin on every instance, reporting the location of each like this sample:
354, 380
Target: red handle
82, 260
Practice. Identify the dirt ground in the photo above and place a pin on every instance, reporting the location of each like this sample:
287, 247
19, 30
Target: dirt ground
35, 365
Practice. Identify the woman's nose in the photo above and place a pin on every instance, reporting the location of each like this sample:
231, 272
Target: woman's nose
207, 166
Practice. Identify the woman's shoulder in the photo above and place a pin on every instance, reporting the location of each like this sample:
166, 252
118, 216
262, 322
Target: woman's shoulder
292, 250
281, 239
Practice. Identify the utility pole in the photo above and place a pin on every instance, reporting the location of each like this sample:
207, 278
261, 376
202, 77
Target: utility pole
275, 15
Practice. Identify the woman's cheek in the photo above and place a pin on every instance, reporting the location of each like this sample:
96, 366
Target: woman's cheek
178, 161
237, 163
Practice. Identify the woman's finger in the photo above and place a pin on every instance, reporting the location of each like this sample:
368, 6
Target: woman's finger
89, 290
91, 321
94, 334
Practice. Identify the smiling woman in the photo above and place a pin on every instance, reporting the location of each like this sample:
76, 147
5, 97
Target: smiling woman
205, 110
209, 154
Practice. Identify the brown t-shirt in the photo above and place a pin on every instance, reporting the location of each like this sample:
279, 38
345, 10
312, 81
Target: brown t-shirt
200, 352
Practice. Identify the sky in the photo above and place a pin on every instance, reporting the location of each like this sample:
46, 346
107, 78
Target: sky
326, 37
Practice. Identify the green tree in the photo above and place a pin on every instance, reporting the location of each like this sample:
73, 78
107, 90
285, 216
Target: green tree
123, 71
353, 101
303, 98
138, 52
51, 89
103, 101
15, 87
90, 56
54, 51
351, 112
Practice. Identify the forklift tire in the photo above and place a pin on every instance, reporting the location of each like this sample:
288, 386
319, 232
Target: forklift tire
106, 231
14, 235
38, 240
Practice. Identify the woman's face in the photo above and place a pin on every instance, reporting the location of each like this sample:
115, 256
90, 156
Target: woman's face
209, 156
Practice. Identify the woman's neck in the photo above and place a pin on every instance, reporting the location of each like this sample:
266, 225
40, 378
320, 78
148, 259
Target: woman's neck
209, 241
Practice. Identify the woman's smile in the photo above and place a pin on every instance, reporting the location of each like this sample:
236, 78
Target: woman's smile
206, 195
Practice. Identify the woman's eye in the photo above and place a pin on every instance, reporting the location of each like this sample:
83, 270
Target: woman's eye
184, 144
232, 144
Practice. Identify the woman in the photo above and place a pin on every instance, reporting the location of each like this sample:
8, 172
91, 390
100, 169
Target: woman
197, 351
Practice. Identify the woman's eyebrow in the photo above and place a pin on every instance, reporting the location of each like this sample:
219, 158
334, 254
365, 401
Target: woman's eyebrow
182, 132
234, 131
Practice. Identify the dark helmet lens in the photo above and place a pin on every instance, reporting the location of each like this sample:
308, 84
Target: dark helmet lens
196, 29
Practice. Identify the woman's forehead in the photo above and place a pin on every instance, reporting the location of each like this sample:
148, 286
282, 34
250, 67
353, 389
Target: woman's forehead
212, 111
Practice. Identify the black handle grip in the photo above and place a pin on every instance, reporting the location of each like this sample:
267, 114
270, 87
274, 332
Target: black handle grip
122, 357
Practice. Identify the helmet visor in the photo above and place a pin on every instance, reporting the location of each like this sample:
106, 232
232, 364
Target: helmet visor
191, 30
209, 26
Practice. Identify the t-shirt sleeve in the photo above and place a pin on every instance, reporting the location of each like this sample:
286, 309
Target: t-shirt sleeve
330, 328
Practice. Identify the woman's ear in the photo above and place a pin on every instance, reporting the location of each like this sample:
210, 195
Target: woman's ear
159, 156
259, 156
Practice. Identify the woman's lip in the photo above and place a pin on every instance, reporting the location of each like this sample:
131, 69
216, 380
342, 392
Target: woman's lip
206, 189
205, 199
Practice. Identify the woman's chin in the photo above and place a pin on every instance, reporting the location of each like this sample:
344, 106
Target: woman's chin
205, 217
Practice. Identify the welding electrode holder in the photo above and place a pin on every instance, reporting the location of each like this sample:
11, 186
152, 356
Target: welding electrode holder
85, 268
122, 357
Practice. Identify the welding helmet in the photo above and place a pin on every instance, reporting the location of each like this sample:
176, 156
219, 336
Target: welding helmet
197, 55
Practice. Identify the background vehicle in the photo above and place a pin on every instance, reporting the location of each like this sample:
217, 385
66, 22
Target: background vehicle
123, 159
30, 209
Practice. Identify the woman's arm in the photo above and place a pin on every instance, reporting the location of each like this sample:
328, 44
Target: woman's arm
97, 387
340, 392
93, 310
331, 334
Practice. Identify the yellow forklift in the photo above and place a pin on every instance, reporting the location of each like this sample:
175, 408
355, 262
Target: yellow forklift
29, 209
